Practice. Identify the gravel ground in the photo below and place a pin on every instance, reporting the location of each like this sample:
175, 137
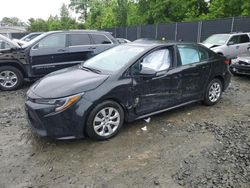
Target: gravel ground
193, 146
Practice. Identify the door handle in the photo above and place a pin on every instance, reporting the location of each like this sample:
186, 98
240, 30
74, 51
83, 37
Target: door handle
92, 48
61, 50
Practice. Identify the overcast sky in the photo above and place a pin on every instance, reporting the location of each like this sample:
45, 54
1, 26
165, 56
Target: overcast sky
25, 9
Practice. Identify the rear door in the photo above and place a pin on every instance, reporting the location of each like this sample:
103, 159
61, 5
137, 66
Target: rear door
101, 42
49, 54
195, 65
80, 47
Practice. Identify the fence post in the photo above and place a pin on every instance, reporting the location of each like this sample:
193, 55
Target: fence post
115, 32
156, 31
232, 25
199, 31
126, 32
176, 31
139, 31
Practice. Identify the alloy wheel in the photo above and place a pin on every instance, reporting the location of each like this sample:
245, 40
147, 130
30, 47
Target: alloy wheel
106, 121
8, 79
214, 92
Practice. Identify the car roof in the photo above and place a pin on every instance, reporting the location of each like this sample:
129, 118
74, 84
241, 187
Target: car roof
77, 31
233, 33
152, 43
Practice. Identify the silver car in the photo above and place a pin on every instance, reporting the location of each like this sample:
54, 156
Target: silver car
229, 45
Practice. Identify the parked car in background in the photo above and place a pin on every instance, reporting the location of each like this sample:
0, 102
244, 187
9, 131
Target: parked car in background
50, 52
27, 38
241, 65
125, 83
122, 40
229, 45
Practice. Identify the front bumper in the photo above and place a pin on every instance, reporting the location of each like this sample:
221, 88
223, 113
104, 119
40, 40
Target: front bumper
64, 125
240, 69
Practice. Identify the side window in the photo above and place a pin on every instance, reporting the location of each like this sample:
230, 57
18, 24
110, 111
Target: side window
158, 60
244, 39
53, 41
204, 55
4, 45
100, 39
79, 39
189, 54
234, 40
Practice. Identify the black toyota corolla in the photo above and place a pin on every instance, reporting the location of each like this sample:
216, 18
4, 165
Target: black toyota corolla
123, 84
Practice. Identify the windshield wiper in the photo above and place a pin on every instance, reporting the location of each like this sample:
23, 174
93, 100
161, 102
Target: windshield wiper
91, 69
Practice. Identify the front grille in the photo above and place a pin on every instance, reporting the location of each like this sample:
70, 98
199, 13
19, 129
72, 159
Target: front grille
243, 63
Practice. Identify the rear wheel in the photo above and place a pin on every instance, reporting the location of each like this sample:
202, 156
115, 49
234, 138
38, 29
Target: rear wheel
10, 78
213, 92
105, 121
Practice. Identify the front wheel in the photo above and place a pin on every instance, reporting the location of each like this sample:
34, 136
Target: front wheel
105, 120
10, 78
213, 92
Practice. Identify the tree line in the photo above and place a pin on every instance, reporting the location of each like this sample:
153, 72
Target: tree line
100, 14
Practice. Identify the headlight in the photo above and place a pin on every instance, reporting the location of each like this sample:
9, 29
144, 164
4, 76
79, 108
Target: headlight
60, 104
234, 61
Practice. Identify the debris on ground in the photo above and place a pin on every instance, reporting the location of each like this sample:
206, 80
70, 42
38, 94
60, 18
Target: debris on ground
144, 128
147, 120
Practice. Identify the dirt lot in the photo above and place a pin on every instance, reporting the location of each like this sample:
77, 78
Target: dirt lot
195, 146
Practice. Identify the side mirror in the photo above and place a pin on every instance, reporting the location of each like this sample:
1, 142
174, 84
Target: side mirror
230, 43
35, 47
147, 72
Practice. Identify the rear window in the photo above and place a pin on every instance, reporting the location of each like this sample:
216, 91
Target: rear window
204, 55
79, 39
188, 54
100, 39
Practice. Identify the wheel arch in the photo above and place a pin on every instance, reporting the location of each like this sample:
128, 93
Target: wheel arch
125, 111
16, 65
222, 81
220, 53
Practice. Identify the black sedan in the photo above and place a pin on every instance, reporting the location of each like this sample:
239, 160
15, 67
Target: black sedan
123, 84
241, 65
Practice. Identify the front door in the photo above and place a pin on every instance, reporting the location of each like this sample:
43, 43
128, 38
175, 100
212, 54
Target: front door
195, 71
159, 91
238, 44
49, 54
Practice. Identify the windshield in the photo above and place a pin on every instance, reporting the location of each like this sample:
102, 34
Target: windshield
113, 59
218, 39
30, 36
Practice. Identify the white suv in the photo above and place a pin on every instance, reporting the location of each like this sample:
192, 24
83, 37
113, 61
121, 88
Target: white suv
229, 45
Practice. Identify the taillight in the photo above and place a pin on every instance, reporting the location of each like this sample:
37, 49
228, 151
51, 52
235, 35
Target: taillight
227, 62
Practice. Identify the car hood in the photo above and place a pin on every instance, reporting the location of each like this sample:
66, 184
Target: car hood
67, 82
244, 58
210, 45
11, 43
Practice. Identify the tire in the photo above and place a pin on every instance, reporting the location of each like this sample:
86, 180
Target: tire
221, 54
10, 78
213, 92
98, 126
